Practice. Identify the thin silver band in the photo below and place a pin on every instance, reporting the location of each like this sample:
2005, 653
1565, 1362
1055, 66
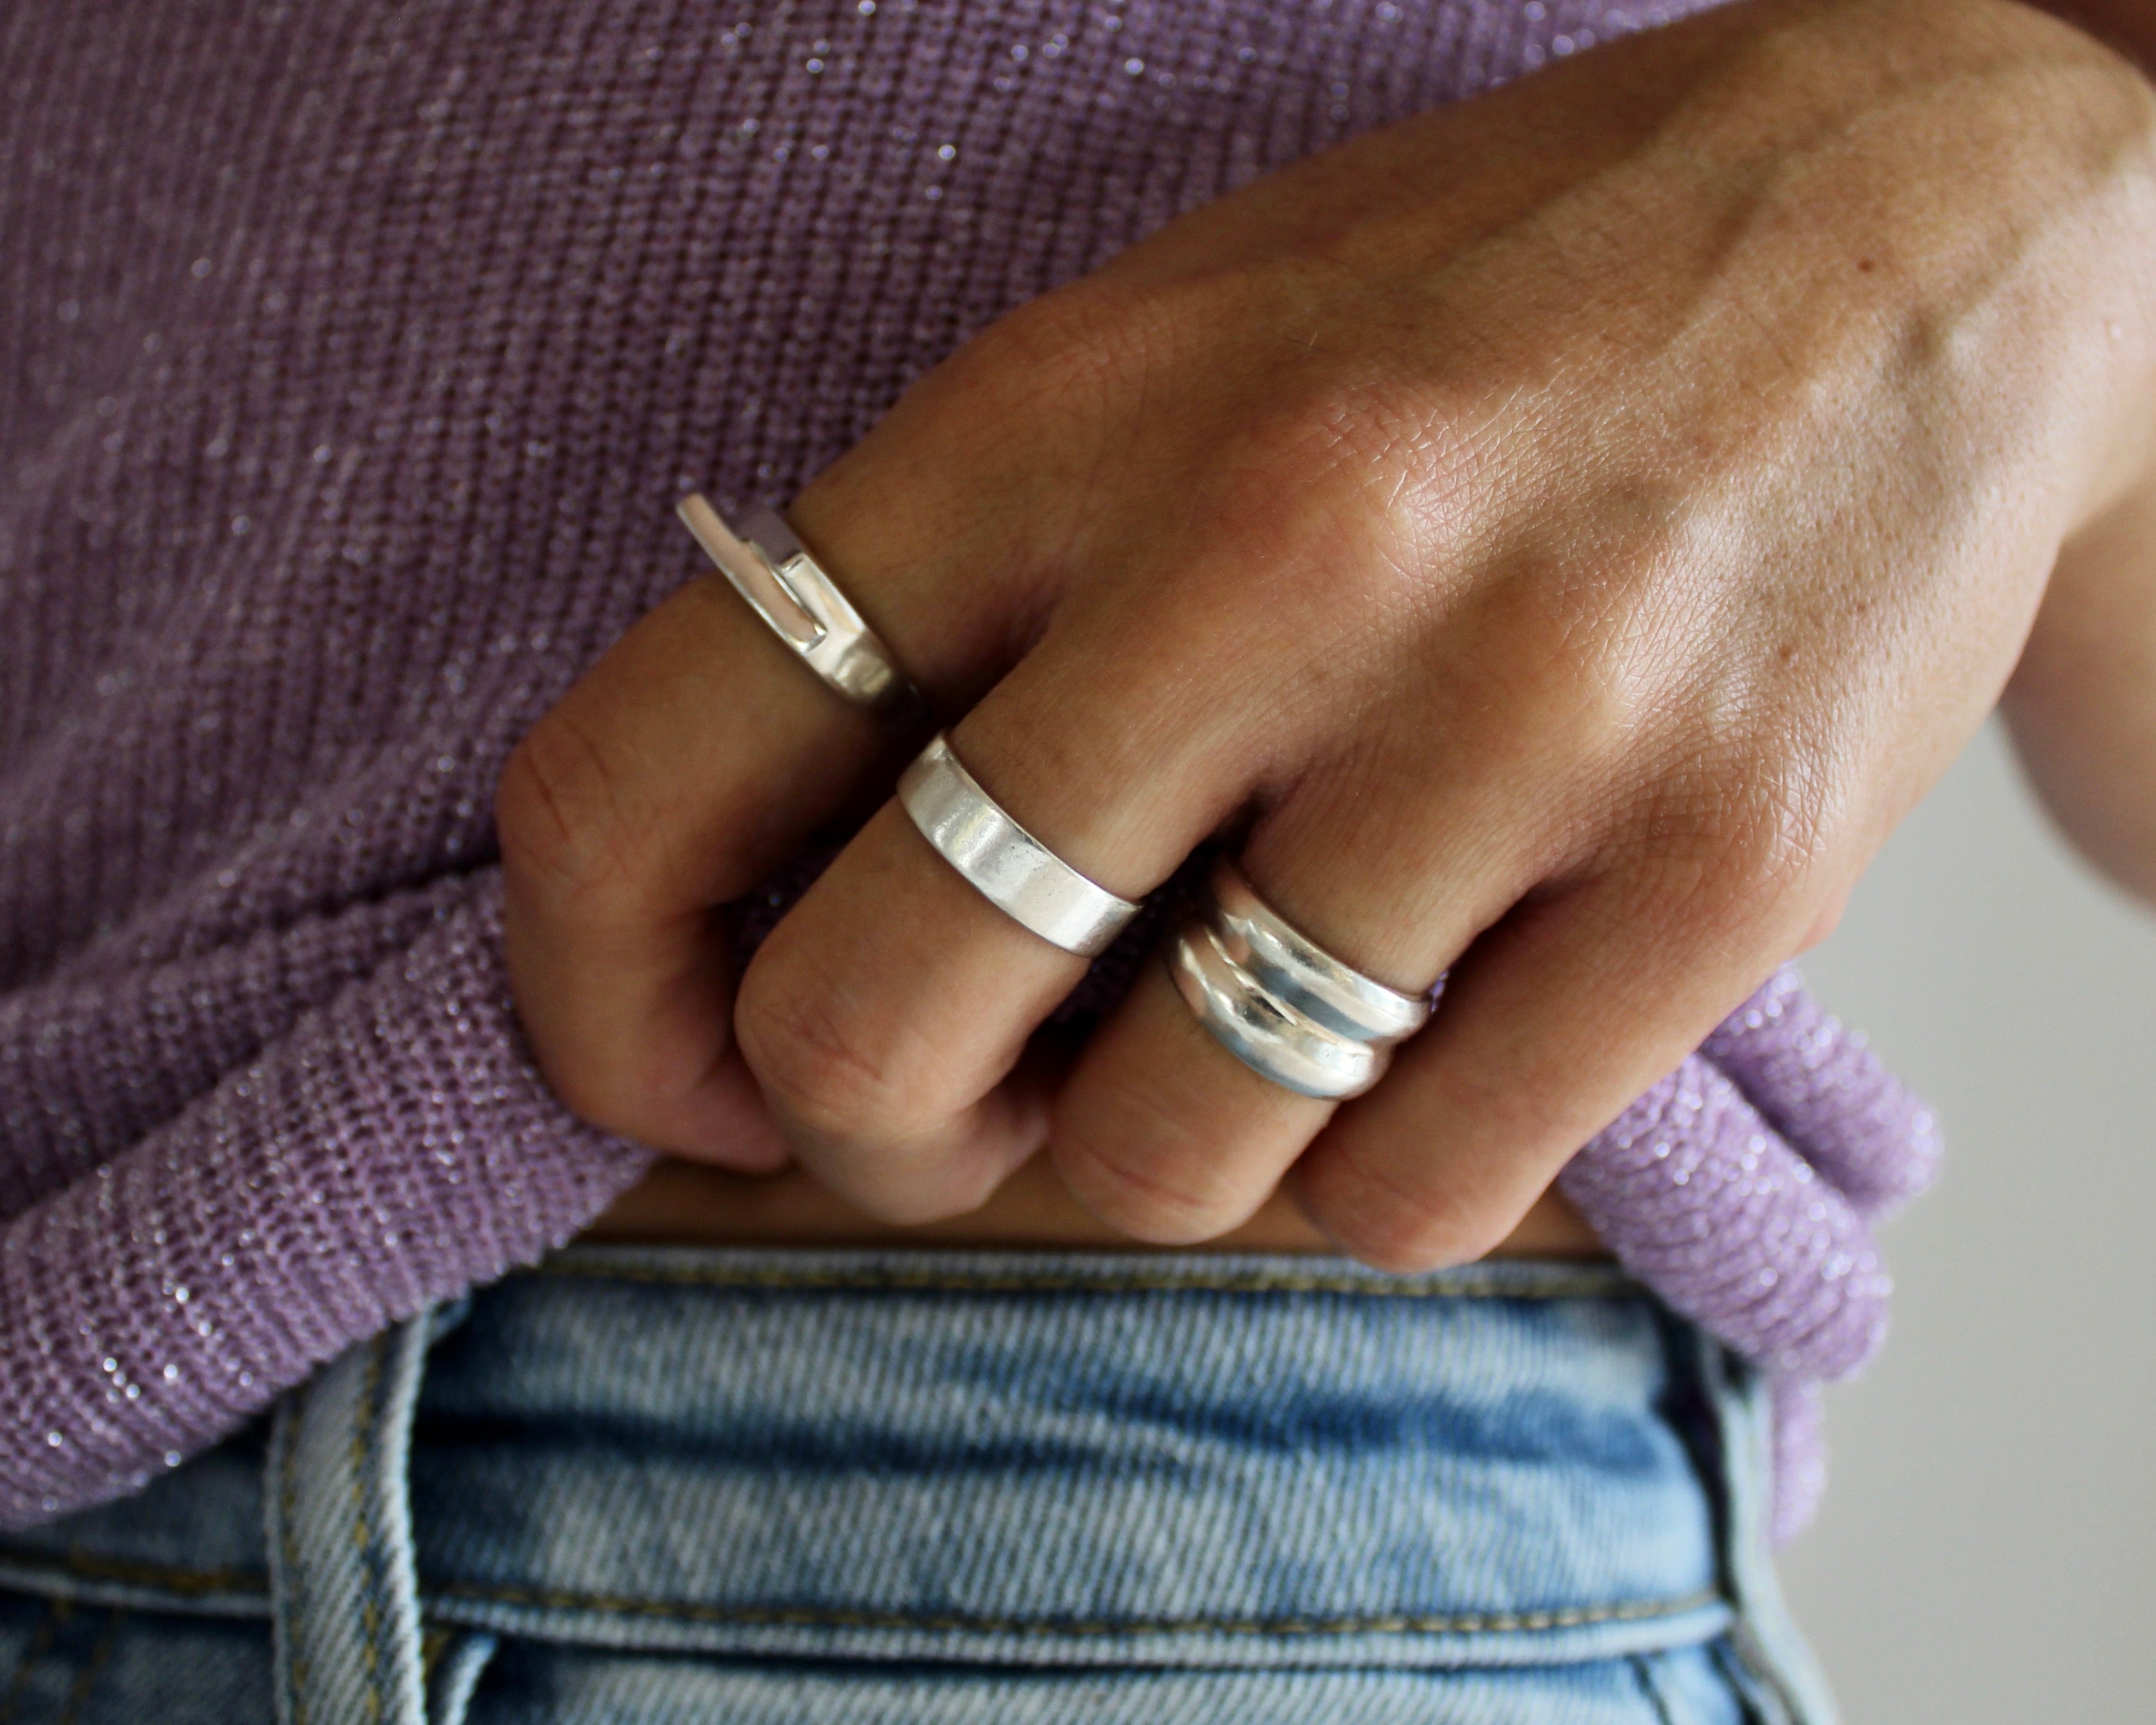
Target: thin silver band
767, 565
1011, 868
1278, 1001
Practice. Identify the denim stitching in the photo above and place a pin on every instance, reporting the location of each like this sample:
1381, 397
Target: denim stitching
187, 1583
295, 1582
803, 1617
190, 1582
1585, 1284
365, 1430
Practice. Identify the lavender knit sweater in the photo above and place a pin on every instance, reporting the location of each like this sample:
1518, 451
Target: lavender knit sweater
352, 356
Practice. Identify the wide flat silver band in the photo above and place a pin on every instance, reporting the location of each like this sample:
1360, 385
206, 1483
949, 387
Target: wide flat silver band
1278, 1001
767, 565
1011, 868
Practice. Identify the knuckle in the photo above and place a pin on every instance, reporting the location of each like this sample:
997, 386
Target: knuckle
1412, 1233
1745, 843
1147, 1139
1340, 466
1074, 353
559, 812
1152, 1197
1322, 526
1416, 455
1393, 1217
819, 1065
1581, 637
1781, 839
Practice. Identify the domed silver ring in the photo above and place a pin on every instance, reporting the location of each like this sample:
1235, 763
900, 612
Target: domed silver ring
1278, 1001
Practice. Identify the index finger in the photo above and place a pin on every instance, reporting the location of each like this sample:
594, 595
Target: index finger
691, 760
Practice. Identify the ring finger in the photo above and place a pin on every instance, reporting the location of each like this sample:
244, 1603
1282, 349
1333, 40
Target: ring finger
1169, 1136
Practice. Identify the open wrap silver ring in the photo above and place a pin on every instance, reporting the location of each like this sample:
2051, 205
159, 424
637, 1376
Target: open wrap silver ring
1278, 1001
767, 565
1011, 868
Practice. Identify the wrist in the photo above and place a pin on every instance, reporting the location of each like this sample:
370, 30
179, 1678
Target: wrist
2126, 30
2102, 118
2105, 115
2039, 289
2081, 706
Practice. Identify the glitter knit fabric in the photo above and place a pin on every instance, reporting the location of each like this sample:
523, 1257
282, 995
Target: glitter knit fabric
1741, 1189
351, 357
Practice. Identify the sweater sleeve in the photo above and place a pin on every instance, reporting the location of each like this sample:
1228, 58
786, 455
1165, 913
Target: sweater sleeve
396, 1147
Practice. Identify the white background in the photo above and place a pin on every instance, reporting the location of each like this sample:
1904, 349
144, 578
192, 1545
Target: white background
1987, 1552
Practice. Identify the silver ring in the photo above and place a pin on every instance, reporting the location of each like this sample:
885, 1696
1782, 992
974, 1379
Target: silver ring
1011, 868
1278, 1001
767, 565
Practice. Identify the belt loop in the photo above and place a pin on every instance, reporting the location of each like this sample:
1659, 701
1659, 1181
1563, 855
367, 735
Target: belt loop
454, 1670
1786, 1684
344, 1585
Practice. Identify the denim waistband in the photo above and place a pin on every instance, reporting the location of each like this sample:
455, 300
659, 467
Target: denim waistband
1004, 1459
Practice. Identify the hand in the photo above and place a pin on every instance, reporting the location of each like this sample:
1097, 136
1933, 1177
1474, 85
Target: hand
1562, 535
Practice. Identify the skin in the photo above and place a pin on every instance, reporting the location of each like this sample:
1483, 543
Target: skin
2081, 704
1560, 536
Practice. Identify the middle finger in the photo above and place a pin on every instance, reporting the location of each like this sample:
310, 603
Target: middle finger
883, 1015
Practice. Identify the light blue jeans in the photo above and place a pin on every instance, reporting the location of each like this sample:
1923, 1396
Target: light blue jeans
756, 1486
